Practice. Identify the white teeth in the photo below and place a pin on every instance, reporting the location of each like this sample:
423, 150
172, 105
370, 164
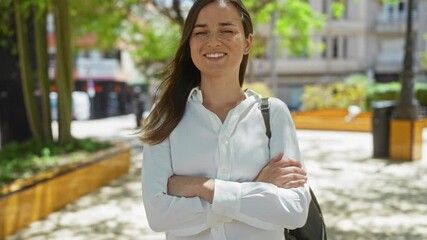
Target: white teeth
215, 55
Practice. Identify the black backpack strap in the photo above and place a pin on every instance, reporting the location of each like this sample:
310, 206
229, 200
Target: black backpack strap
314, 208
265, 110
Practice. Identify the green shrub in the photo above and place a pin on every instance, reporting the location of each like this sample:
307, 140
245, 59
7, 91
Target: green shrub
316, 96
391, 91
351, 91
382, 91
355, 90
22, 160
421, 93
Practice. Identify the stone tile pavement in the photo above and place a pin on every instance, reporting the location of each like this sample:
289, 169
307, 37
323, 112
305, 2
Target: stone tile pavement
362, 197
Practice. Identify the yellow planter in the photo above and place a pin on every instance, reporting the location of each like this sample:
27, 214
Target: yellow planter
406, 139
25, 201
332, 119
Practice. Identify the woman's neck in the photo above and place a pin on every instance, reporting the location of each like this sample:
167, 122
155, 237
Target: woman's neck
221, 96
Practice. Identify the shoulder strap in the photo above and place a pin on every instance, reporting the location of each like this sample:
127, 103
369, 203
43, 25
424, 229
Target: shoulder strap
316, 212
265, 110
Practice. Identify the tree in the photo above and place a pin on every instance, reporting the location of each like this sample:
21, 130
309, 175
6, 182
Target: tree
64, 68
34, 76
142, 24
22, 11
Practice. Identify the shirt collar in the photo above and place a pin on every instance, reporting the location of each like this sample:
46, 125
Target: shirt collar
196, 94
252, 94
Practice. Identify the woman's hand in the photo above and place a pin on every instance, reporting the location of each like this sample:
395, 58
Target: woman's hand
190, 186
284, 173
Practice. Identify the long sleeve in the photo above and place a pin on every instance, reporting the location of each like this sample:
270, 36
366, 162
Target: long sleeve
232, 153
264, 205
179, 216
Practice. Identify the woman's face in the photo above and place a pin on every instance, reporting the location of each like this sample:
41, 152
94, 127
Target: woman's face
218, 41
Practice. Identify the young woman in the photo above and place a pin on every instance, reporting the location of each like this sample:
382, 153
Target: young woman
207, 172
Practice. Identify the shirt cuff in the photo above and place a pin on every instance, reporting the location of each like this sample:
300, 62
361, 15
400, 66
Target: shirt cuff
227, 197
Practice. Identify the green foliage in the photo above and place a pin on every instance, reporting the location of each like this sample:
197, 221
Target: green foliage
355, 90
315, 97
6, 21
104, 19
351, 91
391, 91
295, 23
337, 9
22, 160
155, 41
421, 93
382, 91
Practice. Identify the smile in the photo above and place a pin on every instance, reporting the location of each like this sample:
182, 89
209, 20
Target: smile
215, 55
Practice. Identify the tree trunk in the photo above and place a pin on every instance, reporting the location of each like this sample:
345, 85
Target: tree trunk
64, 69
40, 33
25, 70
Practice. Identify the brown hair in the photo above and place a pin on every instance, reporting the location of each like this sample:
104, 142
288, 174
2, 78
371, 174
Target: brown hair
182, 76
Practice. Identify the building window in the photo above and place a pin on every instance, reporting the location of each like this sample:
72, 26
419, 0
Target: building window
335, 48
325, 7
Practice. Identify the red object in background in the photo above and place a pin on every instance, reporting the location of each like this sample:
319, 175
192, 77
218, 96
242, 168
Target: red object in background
117, 88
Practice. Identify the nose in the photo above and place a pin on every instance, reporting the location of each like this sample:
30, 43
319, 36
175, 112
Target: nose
214, 40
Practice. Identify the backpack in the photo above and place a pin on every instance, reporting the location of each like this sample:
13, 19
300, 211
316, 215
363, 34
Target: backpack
314, 228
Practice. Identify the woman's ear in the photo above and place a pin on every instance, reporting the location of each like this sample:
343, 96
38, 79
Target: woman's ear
248, 44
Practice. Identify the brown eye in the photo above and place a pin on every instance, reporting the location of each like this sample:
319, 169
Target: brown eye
227, 31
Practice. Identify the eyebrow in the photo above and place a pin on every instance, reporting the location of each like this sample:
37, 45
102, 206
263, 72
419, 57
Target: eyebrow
221, 24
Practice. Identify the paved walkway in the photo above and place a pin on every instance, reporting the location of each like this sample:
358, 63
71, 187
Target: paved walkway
362, 198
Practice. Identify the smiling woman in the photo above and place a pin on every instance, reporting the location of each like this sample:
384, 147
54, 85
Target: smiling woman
208, 171
218, 43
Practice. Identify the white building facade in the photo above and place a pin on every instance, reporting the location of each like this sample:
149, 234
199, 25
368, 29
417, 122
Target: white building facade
368, 39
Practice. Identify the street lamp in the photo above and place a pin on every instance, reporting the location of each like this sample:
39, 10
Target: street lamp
407, 106
405, 128
273, 69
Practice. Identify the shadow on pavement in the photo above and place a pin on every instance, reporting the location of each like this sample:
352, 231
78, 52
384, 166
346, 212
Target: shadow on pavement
362, 197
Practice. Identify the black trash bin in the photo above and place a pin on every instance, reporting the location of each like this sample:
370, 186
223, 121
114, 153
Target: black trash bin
381, 115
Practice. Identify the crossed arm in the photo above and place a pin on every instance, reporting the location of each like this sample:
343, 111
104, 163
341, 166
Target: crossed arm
284, 173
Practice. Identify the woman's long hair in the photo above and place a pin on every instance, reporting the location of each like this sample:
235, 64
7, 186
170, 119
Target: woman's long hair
182, 76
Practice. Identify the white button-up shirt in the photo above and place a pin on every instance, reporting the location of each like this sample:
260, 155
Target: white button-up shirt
232, 153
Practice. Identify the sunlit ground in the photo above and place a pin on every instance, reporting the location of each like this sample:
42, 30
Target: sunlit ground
361, 197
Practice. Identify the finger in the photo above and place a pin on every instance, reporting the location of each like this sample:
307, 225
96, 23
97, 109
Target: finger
293, 177
292, 170
277, 158
289, 162
294, 184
